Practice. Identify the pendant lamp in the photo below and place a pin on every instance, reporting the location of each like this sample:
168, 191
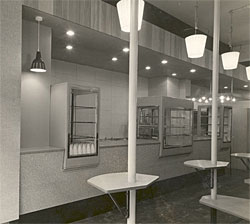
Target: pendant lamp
248, 72
230, 59
38, 64
196, 43
123, 8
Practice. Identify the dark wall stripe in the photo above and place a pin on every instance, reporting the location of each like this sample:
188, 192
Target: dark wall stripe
170, 23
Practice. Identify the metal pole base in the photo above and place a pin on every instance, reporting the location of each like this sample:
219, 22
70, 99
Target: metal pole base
213, 216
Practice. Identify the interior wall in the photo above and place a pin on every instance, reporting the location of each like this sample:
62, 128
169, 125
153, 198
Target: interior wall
168, 86
10, 87
36, 91
240, 131
113, 92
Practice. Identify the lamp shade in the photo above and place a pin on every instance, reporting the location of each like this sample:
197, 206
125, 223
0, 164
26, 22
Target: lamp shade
195, 45
248, 72
230, 60
123, 8
38, 65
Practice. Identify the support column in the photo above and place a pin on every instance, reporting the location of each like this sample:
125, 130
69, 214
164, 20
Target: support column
215, 80
133, 66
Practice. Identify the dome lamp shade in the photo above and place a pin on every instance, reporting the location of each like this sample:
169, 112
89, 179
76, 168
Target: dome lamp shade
38, 64
123, 8
230, 60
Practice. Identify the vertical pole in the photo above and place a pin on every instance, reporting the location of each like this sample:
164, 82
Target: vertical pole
215, 79
133, 64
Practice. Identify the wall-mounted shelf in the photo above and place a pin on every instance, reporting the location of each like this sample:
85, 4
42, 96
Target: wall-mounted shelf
118, 182
205, 164
238, 207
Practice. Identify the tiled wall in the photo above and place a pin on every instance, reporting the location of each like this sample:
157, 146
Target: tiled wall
114, 93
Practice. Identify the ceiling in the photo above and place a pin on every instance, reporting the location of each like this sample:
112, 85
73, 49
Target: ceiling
184, 10
96, 49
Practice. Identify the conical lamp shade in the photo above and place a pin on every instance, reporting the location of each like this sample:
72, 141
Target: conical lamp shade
38, 65
123, 8
230, 60
248, 72
195, 45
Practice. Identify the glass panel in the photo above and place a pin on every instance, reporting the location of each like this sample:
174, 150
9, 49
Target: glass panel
177, 127
83, 123
227, 124
206, 121
148, 122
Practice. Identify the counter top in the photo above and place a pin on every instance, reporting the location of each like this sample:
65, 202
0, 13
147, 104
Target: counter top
118, 182
103, 144
241, 155
238, 207
203, 138
205, 164
124, 142
40, 149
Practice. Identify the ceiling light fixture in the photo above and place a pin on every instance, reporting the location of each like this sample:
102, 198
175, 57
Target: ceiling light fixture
196, 43
114, 59
192, 70
147, 67
174, 74
70, 33
38, 64
230, 59
245, 86
164, 62
125, 49
225, 87
248, 72
123, 8
69, 47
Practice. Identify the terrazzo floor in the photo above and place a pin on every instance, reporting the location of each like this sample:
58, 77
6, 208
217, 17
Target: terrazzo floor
183, 206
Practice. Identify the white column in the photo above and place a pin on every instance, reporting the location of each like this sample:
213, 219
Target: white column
133, 64
215, 79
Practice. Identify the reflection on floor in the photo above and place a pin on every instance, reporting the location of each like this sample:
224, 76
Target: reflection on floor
183, 206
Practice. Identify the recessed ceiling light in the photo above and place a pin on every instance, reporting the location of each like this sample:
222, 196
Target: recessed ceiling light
174, 74
69, 47
193, 99
114, 59
225, 87
147, 67
164, 61
192, 70
70, 33
245, 86
203, 98
125, 49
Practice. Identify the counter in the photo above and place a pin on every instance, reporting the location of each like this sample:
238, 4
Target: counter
44, 184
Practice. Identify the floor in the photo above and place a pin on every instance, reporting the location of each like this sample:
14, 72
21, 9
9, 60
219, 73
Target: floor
183, 206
